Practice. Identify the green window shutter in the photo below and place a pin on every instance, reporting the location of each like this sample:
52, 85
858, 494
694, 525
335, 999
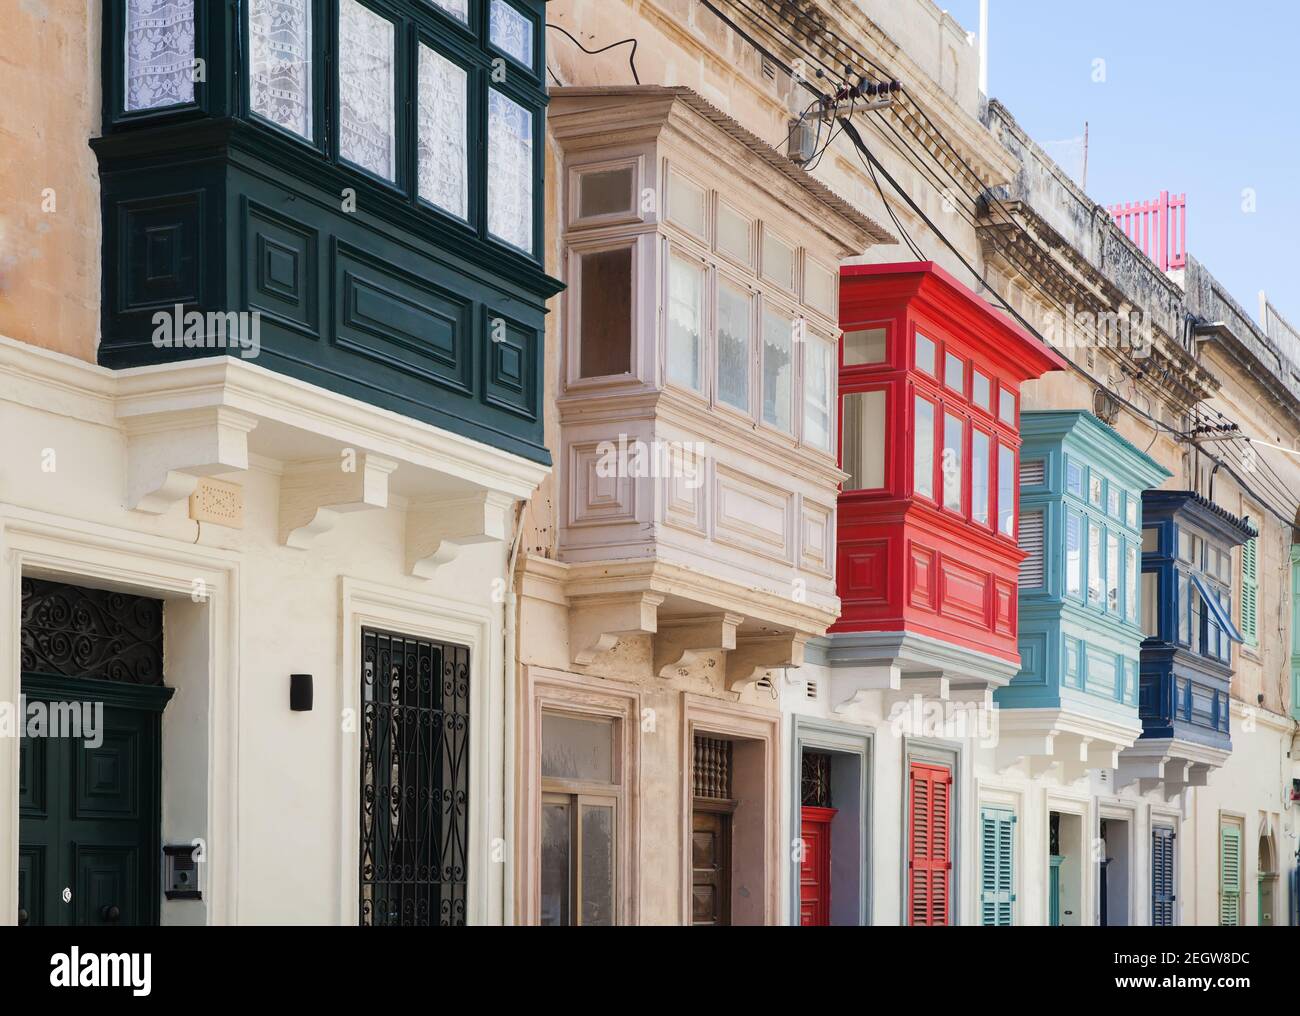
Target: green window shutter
1162, 877
1229, 876
997, 867
1250, 591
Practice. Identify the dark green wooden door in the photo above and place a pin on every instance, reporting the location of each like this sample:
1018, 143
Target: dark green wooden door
90, 812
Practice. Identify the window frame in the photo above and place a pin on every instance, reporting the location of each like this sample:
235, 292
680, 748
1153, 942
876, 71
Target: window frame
319, 11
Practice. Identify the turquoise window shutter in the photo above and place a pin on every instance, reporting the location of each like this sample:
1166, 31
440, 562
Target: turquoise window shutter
1250, 592
997, 867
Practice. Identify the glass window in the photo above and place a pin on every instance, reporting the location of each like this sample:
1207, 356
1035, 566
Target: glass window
366, 89
605, 328
597, 832
1131, 511
979, 476
1006, 407
864, 440
778, 260
1183, 609
1130, 582
954, 373
817, 386
458, 9
159, 54
1074, 479
605, 192
778, 373
1006, 490
735, 234
865, 346
574, 748
980, 393
1151, 540
443, 137
686, 204
1150, 604
1073, 555
511, 32
1112, 572
1112, 500
279, 71
925, 353
510, 171
923, 448
735, 323
1094, 488
819, 288
1094, 563
685, 321
954, 440
557, 860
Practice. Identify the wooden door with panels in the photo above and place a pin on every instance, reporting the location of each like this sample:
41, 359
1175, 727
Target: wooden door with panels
816, 817
712, 812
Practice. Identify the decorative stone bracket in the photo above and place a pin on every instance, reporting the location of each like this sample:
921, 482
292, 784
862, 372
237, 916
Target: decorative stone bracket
755, 655
1170, 776
596, 623
314, 496
169, 452
685, 642
437, 530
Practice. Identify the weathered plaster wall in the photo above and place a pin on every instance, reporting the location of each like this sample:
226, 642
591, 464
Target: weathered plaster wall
49, 186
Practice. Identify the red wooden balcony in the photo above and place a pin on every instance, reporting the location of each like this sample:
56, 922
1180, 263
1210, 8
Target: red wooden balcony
930, 378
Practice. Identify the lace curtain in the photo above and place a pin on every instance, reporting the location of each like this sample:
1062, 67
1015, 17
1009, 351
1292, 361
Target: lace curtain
279, 33
510, 171
443, 133
458, 9
159, 53
366, 125
511, 32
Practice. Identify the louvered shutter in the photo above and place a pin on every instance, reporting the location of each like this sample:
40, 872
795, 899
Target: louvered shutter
1229, 876
1250, 591
1033, 473
997, 872
930, 856
1031, 542
1162, 878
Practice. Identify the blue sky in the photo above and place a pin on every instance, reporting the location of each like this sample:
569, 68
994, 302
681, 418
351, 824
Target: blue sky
1197, 97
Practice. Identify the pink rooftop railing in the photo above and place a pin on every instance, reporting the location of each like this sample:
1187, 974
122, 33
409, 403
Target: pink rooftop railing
1159, 227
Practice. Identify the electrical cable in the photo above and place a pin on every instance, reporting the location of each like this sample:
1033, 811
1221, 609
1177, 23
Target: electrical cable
631, 57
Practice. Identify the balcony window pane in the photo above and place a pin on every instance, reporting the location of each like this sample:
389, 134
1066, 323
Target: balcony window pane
1183, 609
1150, 540
574, 748
924, 354
279, 39
605, 192
1074, 479
954, 440
1073, 555
735, 323
1130, 582
557, 862
923, 448
1006, 490
1094, 489
366, 84
1112, 573
511, 32
817, 386
1094, 563
1006, 407
819, 289
605, 328
685, 204
510, 171
458, 9
685, 322
443, 139
980, 471
1131, 511
954, 373
1151, 604
1112, 501
863, 347
159, 54
864, 440
980, 393
778, 373
778, 261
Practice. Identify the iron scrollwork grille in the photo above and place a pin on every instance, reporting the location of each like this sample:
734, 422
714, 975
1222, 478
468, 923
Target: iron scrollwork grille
97, 634
816, 790
414, 781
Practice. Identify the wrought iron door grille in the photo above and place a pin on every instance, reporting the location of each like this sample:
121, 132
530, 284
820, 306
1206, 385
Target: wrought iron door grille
414, 780
91, 633
816, 790
712, 770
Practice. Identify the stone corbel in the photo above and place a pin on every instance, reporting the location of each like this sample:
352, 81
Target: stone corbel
438, 530
1036, 749
850, 687
685, 642
1073, 757
596, 623
314, 496
755, 655
168, 453
1146, 773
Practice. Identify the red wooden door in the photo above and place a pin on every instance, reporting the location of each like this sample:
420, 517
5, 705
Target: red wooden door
815, 873
929, 866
